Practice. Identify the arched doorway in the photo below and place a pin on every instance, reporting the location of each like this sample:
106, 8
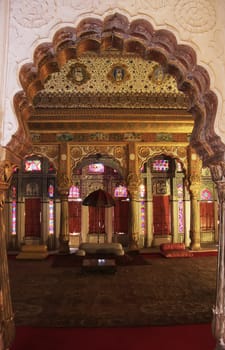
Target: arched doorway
100, 172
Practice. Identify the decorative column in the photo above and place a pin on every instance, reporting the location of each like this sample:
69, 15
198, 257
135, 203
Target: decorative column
195, 166
218, 324
63, 190
133, 188
7, 326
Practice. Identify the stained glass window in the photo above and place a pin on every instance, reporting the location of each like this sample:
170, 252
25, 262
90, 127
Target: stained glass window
51, 216
96, 168
206, 195
142, 195
14, 208
51, 209
51, 191
32, 165
120, 191
180, 194
160, 165
74, 192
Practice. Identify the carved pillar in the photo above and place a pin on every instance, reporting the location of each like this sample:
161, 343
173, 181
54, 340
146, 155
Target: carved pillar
218, 324
63, 190
133, 188
7, 326
195, 166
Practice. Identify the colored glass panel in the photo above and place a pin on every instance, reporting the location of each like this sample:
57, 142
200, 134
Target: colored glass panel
180, 193
32, 165
160, 165
206, 195
14, 209
74, 192
51, 217
96, 168
120, 191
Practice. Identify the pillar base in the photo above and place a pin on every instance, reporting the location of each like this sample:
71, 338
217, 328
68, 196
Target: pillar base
133, 245
195, 246
64, 247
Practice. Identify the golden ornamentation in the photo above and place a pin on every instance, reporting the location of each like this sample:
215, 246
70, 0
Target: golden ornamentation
144, 152
119, 152
49, 151
80, 152
106, 81
133, 183
6, 173
64, 183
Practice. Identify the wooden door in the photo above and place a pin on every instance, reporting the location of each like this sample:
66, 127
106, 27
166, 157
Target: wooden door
96, 220
74, 217
161, 215
32, 217
207, 222
121, 211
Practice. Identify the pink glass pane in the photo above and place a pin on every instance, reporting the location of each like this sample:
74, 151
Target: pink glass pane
51, 217
120, 191
51, 191
180, 208
160, 165
14, 208
32, 165
143, 217
96, 168
142, 191
74, 192
14, 217
206, 195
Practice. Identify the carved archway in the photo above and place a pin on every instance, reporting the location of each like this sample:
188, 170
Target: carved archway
115, 33
138, 37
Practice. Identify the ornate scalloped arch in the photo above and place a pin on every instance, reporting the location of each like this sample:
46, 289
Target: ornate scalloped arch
145, 153
138, 37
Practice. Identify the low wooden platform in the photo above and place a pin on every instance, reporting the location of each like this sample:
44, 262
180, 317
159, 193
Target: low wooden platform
99, 265
33, 252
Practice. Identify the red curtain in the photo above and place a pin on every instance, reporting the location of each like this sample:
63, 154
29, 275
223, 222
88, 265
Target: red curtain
207, 216
32, 217
74, 216
121, 212
96, 220
161, 215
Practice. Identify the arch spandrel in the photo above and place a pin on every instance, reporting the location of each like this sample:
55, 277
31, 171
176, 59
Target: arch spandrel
115, 35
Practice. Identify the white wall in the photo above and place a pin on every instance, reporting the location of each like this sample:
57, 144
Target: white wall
26, 23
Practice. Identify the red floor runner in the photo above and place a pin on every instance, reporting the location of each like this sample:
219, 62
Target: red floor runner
188, 337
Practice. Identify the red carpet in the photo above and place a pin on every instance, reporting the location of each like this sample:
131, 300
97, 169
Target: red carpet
191, 337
